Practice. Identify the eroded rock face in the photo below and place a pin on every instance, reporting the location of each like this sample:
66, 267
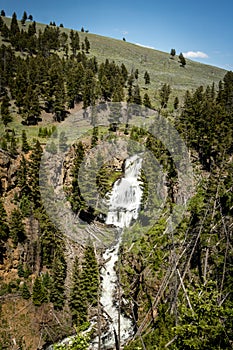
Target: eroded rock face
8, 171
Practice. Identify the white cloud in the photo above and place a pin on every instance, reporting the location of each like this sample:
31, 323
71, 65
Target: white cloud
148, 47
124, 32
195, 54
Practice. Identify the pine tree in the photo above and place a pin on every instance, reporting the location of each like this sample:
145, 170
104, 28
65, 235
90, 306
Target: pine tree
25, 292
74, 42
176, 103
87, 45
13, 144
77, 301
17, 229
173, 53
24, 18
38, 292
57, 294
3, 14
94, 138
4, 229
182, 60
77, 202
14, 28
136, 95
147, 78
5, 113
164, 95
90, 275
34, 167
25, 145
146, 101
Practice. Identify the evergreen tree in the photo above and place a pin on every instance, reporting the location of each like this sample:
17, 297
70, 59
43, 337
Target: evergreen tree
25, 145
38, 292
17, 230
77, 301
146, 101
164, 95
25, 292
57, 294
3, 14
13, 144
173, 53
136, 73
34, 167
182, 60
30, 17
74, 42
14, 28
124, 72
22, 177
77, 202
176, 103
1, 23
87, 45
4, 229
136, 95
5, 113
94, 138
90, 275
24, 18
30, 106
147, 78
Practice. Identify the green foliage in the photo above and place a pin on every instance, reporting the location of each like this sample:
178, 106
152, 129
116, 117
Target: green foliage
79, 342
77, 302
4, 228
146, 101
39, 295
164, 95
57, 294
85, 286
5, 112
182, 60
17, 229
202, 327
25, 145
147, 78
173, 53
25, 292
90, 275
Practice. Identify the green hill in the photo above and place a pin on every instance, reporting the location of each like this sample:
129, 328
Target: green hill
161, 67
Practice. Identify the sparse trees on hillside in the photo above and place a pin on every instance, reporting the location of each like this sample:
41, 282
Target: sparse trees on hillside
182, 60
164, 94
173, 53
24, 18
147, 78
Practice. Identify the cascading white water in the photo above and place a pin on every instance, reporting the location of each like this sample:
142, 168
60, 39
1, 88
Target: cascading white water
124, 203
125, 198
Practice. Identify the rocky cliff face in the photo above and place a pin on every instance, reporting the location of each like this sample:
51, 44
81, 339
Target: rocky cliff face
8, 172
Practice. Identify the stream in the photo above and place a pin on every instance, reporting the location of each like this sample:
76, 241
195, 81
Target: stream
124, 204
123, 207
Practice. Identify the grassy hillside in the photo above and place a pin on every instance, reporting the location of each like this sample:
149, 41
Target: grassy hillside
161, 68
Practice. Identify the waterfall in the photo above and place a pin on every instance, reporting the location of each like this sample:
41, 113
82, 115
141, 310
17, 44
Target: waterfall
125, 198
124, 203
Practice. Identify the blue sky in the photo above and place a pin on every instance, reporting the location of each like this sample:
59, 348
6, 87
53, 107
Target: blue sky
202, 30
